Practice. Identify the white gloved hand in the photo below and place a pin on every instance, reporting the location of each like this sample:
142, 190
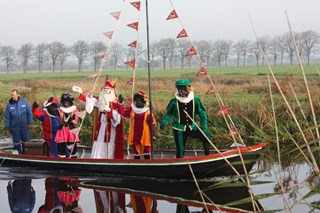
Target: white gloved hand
77, 89
107, 108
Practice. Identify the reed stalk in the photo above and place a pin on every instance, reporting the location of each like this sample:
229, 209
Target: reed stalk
314, 163
304, 78
247, 181
278, 145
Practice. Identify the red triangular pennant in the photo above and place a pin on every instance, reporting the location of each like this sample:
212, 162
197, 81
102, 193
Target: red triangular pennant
133, 44
172, 15
131, 63
136, 4
134, 25
191, 52
130, 82
233, 132
202, 72
116, 15
222, 111
182, 34
108, 34
211, 90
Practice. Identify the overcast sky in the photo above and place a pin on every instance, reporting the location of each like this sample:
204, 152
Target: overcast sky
67, 21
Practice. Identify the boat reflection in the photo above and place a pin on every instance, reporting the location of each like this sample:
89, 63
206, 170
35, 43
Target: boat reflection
119, 194
144, 194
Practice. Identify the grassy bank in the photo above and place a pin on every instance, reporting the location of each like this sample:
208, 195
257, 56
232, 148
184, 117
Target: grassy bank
244, 91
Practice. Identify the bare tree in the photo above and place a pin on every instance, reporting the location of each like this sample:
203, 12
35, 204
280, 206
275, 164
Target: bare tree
41, 55
255, 50
182, 48
244, 48
264, 43
310, 43
172, 43
219, 50
153, 52
163, 50
54, 49
81, 50
288, 46
63, 54
116, 53
204, 50
275, 48
129, 54
97, 47
25, 54
8, 56
227, 50
237, 51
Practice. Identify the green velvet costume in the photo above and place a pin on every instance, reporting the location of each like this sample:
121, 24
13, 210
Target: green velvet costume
182, 125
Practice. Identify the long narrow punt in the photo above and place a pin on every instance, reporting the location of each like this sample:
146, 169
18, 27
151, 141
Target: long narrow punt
171, 168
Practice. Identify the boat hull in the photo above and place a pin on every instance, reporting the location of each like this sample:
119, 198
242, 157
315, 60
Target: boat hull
182, 168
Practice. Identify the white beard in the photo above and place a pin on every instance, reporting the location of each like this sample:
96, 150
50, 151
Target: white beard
105, 98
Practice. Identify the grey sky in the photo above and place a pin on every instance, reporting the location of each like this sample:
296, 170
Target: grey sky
68, 21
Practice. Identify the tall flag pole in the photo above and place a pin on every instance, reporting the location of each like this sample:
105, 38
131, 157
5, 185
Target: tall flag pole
149, 77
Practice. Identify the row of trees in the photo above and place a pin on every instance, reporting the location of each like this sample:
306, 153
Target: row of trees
211, 53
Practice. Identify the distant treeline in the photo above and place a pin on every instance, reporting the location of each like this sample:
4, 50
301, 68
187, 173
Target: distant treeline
165, 53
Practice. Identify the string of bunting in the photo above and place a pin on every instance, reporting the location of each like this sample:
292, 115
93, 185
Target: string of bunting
204, 72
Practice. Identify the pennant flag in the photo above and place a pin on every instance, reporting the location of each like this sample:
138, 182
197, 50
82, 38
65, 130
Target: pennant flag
182, 34
81, 114
108, 34
202, 72
134, 25
222, 111
116, 15
191, 52
102, 54
172, 15
133, 44
234, 132
136, 4
130, 82
75, 130
211, 90
131, 63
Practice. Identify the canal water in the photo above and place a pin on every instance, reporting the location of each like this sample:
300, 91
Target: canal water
47, 191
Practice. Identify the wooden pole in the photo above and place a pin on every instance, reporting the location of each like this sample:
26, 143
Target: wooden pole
149, 79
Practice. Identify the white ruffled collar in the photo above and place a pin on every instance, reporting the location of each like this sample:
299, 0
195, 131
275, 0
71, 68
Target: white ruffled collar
137, 110
185, 100
68, 109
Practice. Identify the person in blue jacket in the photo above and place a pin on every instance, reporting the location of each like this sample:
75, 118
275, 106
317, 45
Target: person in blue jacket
21, 196
18, 120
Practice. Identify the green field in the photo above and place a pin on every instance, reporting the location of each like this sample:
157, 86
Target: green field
244, 90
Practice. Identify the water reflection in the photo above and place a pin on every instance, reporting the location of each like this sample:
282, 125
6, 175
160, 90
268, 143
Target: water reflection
144, 194
109, 201
52, 202
120, 194
21, 195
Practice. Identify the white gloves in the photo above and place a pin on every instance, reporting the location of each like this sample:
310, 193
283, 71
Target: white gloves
77, 89
107, 108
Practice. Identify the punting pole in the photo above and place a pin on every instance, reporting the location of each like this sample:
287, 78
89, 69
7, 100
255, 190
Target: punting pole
149, 78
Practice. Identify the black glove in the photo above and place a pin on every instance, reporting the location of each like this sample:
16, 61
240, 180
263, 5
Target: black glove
162, 126
35, 105
120, 99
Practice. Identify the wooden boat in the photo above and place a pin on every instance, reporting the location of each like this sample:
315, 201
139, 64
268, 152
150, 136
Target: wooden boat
167, 168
